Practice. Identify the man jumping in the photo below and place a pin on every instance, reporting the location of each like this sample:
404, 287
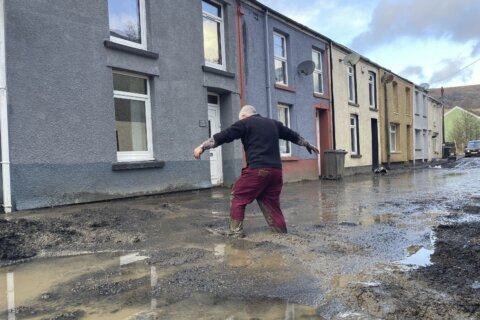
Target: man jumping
262, 178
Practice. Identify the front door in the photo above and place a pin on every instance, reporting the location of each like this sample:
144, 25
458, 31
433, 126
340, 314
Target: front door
375, 160
216, 171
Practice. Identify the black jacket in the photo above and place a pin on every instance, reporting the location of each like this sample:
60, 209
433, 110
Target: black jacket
260, 139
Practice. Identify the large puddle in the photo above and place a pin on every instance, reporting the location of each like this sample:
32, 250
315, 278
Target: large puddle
124, 286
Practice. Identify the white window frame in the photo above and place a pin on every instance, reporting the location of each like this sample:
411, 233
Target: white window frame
318, 71
282, 59
351, 74
393, 144
372, 89
143, 30
289, 123
132, 156
354, 127
223, 65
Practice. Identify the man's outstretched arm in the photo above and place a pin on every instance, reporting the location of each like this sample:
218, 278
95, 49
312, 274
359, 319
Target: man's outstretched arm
235, 131
292, 136
207, 144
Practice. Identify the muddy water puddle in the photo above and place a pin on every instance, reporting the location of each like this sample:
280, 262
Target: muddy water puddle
128, 286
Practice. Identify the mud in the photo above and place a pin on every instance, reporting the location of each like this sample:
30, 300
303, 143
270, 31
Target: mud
399, 246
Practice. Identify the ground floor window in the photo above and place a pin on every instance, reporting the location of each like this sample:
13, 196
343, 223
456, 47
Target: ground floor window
131, 94
393, 137
284, 117
354, 134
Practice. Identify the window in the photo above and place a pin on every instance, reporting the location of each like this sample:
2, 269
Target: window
317, 72
408, 100
127, 22
395, 96
284, 117
393, 137
372, 89
354, 134
351, 84
417, 103
132, 117
280, 58
213, 35
418, 140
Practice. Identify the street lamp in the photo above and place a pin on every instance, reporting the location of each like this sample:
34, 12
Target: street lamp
387, 78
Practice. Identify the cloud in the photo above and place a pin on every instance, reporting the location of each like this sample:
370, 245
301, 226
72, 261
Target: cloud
413, 71
476, 50
392, 19
451, 70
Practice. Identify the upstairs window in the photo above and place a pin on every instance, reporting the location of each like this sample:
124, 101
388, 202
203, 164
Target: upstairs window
372, 90
317, 72
351, 84
213, 35
280, 58
127, 22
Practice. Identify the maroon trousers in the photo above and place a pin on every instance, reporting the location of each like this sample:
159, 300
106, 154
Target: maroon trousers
264, 185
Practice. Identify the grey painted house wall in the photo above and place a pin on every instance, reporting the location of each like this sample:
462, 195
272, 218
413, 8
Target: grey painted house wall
61, 107
420, 123
257, 59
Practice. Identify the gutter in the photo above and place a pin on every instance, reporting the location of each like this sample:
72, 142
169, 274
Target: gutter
332, 97
267, 66
4, 143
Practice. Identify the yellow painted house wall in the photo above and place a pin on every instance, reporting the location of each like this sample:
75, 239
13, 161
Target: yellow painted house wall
400, 112
343, 109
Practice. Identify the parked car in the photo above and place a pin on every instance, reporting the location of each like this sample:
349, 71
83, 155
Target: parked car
472, 148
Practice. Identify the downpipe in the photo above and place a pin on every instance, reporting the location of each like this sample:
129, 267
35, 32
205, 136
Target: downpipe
4, 139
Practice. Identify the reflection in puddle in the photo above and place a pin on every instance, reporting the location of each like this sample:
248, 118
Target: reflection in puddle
420, 258
109, 286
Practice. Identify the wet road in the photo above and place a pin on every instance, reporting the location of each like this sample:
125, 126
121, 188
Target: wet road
161, 260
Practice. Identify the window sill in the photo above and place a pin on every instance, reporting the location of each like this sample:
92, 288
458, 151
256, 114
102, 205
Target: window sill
121, 47
395, 152
218, 72
284, 87
120, 166
418, 149
353, 104
355, 156
289, 158
373, 109
319, 95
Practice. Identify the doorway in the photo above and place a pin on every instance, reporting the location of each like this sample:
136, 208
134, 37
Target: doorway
375, 159
216, 168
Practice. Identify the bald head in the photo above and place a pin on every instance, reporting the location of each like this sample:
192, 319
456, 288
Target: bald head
247, 111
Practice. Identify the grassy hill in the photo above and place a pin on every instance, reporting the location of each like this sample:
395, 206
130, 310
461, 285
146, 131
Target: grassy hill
467, 97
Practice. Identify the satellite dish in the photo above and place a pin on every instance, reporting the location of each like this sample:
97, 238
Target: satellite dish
387, 78
306, 67
425, 86
351, 59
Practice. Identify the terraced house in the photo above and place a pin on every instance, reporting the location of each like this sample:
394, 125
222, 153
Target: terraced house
356, 105
396, 119
274, 48
106, 99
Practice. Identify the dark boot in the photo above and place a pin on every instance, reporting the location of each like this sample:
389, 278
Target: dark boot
235, 229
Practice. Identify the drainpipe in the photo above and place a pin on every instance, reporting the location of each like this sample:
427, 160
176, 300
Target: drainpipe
267, 55
332, 98
240, 51
7, 196
387, 125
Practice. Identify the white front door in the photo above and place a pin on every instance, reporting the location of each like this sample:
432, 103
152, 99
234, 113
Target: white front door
216, 171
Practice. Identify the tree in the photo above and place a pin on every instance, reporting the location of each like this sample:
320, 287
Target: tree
466, 128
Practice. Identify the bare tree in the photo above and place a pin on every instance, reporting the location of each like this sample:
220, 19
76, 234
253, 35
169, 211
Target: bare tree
466, 128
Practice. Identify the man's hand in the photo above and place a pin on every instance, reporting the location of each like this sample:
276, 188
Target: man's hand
198, 152
311, 148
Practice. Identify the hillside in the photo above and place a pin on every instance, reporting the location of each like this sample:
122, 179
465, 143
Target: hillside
467, 97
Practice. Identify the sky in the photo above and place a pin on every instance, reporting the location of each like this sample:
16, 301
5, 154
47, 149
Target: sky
425, 41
